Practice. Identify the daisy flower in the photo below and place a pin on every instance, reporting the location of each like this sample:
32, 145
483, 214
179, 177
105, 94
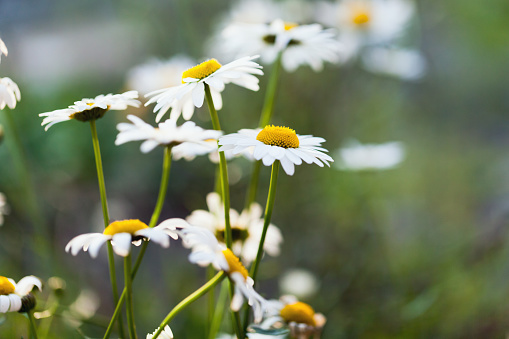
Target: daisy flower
166, 134
165, 334
277, 143
405, 64
91, 109
9, 93
246, 228
358, 157
17, 297
124, 232
207, 250
4, 208
3, 49
365, 22
300, 317
298, 44
191, 93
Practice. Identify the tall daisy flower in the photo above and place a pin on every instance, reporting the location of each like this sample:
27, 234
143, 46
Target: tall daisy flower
166, 134
191, 93
17, 297
277, 143
246, 228
9, 93
91, 109
124, 232
298, 44
207, 250
298, 316
4, 208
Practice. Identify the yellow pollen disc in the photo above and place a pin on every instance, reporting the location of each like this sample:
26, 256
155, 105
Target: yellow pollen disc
290, 25
361, 18
278, 136
6, 287
124, 226
234, 263
299, 312
202, 70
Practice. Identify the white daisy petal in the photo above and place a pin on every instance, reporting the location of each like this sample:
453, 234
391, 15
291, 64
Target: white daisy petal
15, 303
122, 244
26, 285
5, 303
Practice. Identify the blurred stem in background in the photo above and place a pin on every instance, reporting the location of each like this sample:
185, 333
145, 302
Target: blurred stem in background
266, 116
33, 327
104, 204
42, 234
163, 187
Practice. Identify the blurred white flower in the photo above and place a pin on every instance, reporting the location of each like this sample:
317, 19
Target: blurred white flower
11, 294
405, 64
3, 49
91, 109
183, 98
299, 282
155, 74
4, 208
299, 44
358, 157
365, 22
246, 228
166, 134
9, 93
165, 334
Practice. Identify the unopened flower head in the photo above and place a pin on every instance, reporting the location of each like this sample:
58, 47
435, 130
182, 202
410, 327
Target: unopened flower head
183, 98
370, 157
207, 250
298, 44
277, 143
9, 93
91, 109
17, 297
123, 233
165, 334
166, 134
246, 228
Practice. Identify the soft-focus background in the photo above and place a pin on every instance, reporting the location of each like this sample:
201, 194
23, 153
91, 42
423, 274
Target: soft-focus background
416, 251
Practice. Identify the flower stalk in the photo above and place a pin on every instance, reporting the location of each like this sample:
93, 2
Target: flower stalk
129, 297
33, 327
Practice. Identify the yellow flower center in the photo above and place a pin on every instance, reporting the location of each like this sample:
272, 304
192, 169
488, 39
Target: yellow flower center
202, 70
124, 226
361, 18
234, 263
290, 25
299, 312
360, 13
278, 136
6, 287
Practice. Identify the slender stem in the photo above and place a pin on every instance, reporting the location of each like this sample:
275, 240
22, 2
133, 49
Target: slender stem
188, 300
265, 117
218, 311
223, 170
33, 327
268, 215
106, 217
153, 220
129, 302
163, 187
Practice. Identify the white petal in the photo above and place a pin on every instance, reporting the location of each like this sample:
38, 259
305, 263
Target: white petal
4, 303
155, 235
15, 303
199, 94
122, 244
288, 166
25, 285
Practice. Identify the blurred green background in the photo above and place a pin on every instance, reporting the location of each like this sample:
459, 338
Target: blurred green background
419, 251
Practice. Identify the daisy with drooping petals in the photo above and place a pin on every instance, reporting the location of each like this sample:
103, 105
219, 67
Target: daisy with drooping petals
277, 143
165, 334
123, 233
9, 93
207, 250
246, 228
166, 134
300, 317
91, 109
298, 44
17, 297
191, 93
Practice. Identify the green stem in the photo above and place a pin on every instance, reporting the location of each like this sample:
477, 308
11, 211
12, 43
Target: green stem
106, 217
223, 170
188, 300
33, 327
265, 117
129, 296
218, 311
268, 215
153, 220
